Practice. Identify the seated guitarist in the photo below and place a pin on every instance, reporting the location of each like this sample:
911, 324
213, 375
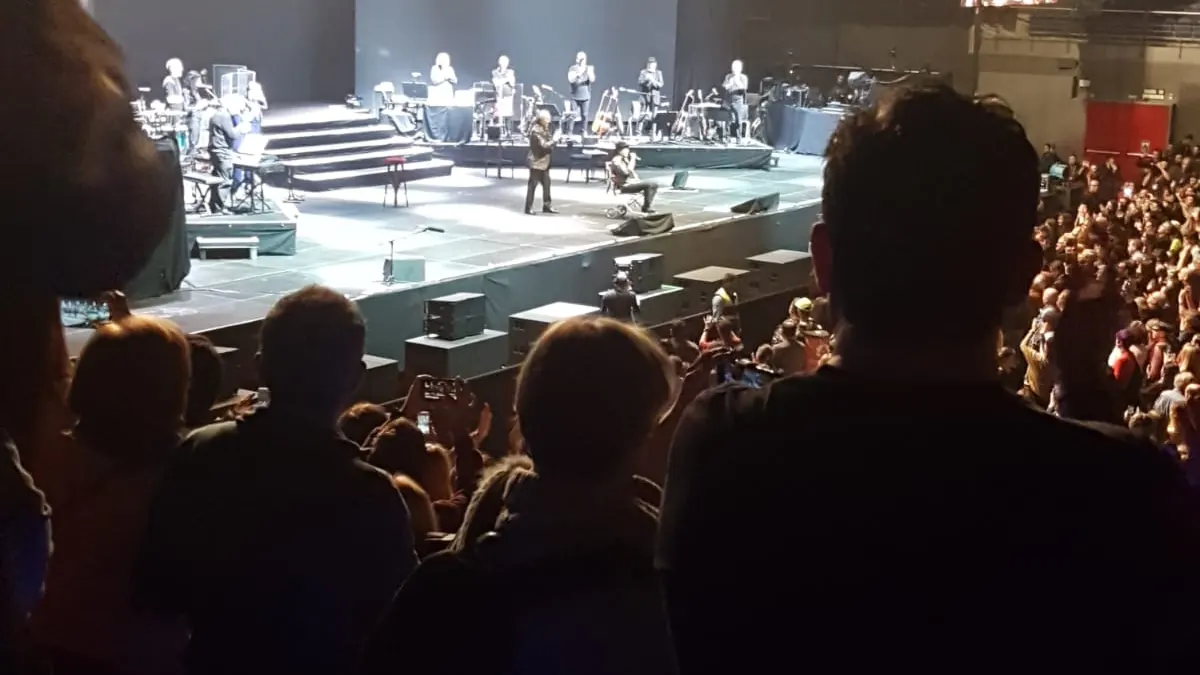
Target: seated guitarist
623, 170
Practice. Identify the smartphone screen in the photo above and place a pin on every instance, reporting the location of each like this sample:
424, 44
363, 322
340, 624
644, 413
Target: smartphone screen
423, 423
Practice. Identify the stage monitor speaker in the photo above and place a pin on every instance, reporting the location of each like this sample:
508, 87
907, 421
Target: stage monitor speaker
757, 205
645, 225
170, 263
680, 180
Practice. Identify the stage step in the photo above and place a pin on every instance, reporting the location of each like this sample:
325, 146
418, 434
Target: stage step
369, 131
360, 160
334, 180
341, 148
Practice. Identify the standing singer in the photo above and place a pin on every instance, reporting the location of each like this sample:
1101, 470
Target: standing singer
623, 169
736, 84
541, 147
650, 82
581, 76
504, 79
441, 81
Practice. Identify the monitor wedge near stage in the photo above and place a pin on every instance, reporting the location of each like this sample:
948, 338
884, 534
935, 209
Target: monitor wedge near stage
760, 204
645, 225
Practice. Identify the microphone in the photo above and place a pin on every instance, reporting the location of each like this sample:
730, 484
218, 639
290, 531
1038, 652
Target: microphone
429, 228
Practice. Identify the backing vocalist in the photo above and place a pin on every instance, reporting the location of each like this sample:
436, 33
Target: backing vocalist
581, 76
504, 79
441, 81
736, 84
650, 82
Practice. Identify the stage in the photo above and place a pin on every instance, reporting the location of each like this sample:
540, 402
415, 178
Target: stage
342, 237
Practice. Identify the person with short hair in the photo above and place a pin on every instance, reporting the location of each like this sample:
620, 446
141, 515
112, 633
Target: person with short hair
361, 420
129, 394
620, 302
279, 546
789, 354
541, 151
952, 520
561, 540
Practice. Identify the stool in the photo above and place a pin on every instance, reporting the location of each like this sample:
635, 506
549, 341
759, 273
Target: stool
497, 160
588, 162
396, 178
292, 197
202, 186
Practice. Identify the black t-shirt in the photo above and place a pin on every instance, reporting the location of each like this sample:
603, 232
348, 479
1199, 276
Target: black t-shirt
845, 525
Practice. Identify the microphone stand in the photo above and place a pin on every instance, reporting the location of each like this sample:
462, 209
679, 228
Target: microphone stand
389, 263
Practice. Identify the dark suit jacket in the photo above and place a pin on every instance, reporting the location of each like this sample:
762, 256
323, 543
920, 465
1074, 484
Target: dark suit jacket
541, 146
278, 544
620, 305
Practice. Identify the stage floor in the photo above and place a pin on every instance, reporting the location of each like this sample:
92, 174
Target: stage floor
343, 236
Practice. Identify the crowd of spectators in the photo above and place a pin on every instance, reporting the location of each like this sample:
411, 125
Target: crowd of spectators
1139, 236
891, 506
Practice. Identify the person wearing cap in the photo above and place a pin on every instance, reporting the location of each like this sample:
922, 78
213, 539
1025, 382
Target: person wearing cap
623, 170
620, 302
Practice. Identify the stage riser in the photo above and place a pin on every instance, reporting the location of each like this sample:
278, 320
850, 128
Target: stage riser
365, 180
270, 127
662, 157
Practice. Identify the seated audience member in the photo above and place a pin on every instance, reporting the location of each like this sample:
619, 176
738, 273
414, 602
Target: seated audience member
361, 420
400, 449
420, 508
129, 395
559, 543
277, 544
789, 354
84, 154
719, 335
954, 527
205, 386
678, 344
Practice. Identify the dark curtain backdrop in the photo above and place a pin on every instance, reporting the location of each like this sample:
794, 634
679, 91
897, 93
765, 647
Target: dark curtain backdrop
541, 37
706, 44
303, 50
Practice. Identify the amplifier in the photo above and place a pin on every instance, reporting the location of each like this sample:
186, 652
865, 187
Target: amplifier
457, 316
526, 327
645, 270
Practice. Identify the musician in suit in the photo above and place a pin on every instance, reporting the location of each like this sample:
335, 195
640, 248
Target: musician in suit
581, 76
620, 302
504, 79
224, 134
736, 84
622, 169
541, 147
441, 81
650, 82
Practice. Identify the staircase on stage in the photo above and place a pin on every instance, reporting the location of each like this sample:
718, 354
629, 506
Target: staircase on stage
331, 147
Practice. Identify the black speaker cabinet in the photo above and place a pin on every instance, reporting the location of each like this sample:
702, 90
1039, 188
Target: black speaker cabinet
457, 316
645, 270
467, 358
760, 204
525, 328
779, 270
701, 285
